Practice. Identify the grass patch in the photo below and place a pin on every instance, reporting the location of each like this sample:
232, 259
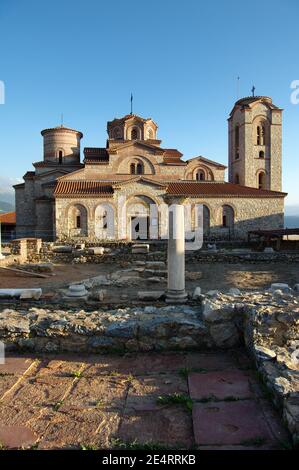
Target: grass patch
184, 372
176, 399
231, 398
135, 445
76, 373
100, 403
57, 405
88, 447
212, 397
130, 378
114, 373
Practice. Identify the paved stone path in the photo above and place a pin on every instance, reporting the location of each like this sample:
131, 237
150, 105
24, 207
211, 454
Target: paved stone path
178, 400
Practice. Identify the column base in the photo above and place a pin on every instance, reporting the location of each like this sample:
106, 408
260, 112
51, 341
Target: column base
176, 296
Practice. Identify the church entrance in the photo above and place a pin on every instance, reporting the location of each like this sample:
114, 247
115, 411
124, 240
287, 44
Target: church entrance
142, 220
140, 227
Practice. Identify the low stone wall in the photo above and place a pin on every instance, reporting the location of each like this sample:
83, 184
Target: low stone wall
124, 255
146, 328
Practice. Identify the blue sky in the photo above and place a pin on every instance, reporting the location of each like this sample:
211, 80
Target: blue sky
180, 59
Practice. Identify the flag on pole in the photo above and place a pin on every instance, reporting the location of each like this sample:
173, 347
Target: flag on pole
131, 103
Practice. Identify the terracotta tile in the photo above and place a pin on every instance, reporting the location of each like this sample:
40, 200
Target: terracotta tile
80, 427
144, 391
169, 426
210, 361
16, 365
40, 391
219, 384
225, 423
138, 364
102, 392
17, 437
33, 417
6, 382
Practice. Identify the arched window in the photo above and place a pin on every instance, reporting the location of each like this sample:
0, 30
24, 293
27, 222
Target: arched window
261, 154
261, 180
60, 155
237, 178
237, 141
228, 217
200, 175
117, 133
258, 135
139, 169
150, 134
134, 134
132, 168
263, 135
77, 220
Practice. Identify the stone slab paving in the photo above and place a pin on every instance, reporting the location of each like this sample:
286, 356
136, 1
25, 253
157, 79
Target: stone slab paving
209, 401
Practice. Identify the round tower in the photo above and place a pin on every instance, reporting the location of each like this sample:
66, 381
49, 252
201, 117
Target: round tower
62, 145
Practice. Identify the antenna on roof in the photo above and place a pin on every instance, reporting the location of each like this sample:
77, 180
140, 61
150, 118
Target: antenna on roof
253, 90
131, 103
61, 120
238, 87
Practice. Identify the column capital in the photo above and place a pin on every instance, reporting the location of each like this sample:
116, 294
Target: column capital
171, 199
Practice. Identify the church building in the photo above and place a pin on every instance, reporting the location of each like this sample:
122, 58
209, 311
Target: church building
134, 177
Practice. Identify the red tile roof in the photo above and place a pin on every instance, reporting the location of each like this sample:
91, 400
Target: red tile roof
66, 188
83, 189
202, 159
95, 155
8, 218
218, 189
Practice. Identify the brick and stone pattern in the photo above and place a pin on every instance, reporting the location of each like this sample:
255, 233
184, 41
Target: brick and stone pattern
249, 213
258, 112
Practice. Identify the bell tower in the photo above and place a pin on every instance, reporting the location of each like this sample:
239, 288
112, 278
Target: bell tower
254, 141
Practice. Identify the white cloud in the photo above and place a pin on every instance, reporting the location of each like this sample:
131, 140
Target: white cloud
6, 184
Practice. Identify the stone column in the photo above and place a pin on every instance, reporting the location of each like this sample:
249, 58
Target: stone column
176, 255
1, 256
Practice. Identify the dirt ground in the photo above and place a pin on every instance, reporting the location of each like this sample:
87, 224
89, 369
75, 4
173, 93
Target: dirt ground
214, 276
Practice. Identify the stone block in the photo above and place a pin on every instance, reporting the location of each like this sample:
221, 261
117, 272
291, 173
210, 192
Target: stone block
197, 293
234, 291
219, 385
265, 354
96, 250
62, 249
214, 311
98, 295
76, 290
22, 294
150, 295
280, 286
229, 423
140, 248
